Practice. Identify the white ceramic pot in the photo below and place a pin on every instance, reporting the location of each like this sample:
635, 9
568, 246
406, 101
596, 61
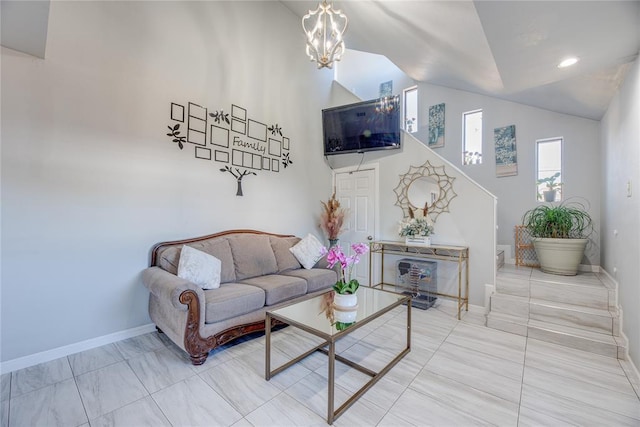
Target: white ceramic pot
345, 316
559, 256
345, 300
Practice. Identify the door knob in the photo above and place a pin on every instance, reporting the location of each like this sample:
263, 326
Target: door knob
369, 237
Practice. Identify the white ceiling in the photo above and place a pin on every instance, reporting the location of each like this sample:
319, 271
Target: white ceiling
506, 49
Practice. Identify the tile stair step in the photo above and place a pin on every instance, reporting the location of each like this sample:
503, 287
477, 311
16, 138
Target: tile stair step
510, 304
571, 293
576, 316
507, 323
511, 284
594, 342
499, 258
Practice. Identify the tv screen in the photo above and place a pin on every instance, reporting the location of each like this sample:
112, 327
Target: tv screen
364, 126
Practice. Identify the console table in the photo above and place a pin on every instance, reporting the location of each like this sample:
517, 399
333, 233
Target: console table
457, 254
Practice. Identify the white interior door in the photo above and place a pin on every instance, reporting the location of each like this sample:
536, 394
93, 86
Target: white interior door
357, 193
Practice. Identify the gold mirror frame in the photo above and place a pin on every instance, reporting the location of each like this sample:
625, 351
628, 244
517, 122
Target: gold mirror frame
436, 173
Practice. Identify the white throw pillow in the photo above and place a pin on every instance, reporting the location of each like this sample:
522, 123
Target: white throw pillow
199, 267
307, 251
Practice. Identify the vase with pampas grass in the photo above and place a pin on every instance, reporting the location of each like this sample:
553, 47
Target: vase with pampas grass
332, 219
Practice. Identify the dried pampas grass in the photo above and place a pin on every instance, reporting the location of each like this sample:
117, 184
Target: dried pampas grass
332, 217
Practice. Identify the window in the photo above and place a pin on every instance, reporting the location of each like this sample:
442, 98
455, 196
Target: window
472, 142
549, 177
411, 109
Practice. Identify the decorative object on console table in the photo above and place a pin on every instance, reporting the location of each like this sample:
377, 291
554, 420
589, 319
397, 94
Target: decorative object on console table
417, 229
332, 219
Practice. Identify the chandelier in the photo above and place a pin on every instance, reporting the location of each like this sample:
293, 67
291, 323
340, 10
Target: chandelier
324, 37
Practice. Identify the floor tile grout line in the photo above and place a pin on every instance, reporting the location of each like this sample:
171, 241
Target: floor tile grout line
635, 389
84, 406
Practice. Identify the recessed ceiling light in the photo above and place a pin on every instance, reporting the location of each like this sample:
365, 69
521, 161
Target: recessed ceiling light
568, 62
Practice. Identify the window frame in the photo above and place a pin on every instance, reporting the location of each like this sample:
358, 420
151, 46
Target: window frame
404, 109
464, 136
537, 169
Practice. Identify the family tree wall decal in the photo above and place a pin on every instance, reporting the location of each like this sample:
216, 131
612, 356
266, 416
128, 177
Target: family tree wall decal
242, 144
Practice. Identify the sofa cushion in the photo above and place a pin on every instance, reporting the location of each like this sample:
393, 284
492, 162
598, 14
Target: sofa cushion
168, 258
252, 255
284, 258
219, 248
231, 300
317, 278
308, 251
278, 288
199, 268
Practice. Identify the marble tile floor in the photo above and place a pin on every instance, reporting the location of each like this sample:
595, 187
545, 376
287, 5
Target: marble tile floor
458, 373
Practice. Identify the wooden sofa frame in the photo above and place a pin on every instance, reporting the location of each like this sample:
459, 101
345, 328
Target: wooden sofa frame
196, 345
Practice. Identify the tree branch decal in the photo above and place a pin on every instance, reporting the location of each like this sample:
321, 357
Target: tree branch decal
275, 129
238, 175
174, 133
286, 161
220, 116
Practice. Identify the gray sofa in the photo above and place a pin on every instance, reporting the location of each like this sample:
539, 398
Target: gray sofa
258, 273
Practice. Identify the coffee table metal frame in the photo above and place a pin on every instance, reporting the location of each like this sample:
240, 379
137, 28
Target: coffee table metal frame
330, 342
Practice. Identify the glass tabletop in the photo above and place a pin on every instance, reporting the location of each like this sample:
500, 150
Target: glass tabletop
320, 315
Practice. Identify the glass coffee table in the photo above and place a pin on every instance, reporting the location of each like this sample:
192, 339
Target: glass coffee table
318, 316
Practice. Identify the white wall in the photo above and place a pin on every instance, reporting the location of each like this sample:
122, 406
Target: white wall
621, 164
362, 73
517, 194
90, 181
470, 222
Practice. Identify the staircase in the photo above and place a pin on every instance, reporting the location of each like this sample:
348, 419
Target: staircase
573, 311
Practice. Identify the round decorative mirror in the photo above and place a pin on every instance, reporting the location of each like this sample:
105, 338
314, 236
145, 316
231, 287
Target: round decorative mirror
423, 191
425, 185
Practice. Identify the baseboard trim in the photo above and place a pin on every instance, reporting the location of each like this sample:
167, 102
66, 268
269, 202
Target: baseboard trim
56, 353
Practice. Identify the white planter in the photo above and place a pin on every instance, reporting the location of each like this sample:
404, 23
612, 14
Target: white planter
417, 241
345, 316
559, 256
345, 302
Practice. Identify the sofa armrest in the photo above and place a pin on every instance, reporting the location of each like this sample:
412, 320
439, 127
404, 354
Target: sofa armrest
167, 286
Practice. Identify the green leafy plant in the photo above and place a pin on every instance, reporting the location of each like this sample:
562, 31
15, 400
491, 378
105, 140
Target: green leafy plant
564, 221
344, 288
341, 326
550, 183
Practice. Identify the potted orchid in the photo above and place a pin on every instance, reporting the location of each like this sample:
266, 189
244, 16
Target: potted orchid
346, 287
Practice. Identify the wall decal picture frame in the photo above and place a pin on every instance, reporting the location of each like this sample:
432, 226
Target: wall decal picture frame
203, 153
506, 154
436, 126
177, 112
216, 136
257, 130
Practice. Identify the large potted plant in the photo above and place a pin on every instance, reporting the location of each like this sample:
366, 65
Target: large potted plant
559, 235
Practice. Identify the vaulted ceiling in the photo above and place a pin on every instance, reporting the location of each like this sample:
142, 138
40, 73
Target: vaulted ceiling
505, 49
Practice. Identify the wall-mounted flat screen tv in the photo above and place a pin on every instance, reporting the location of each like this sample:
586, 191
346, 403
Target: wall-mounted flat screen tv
364, 126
